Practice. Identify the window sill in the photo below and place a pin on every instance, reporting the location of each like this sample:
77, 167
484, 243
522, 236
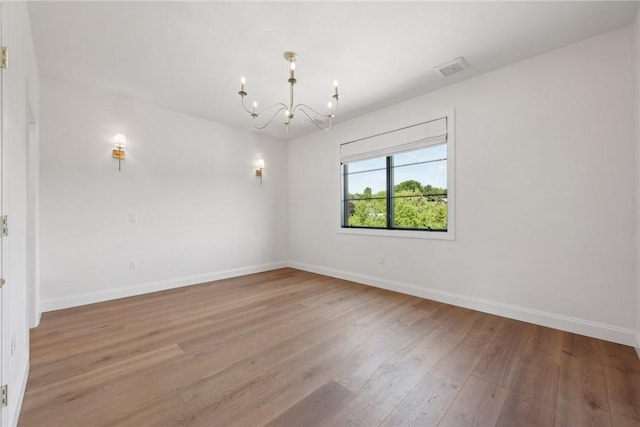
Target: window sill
405, 234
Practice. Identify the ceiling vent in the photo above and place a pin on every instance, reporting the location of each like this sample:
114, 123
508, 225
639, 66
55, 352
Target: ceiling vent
451, 67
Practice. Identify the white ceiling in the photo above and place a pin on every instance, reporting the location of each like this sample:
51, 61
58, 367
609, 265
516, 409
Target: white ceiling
189, 56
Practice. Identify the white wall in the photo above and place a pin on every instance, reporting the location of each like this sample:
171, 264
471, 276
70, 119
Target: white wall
20, 95
201, 212
546, 195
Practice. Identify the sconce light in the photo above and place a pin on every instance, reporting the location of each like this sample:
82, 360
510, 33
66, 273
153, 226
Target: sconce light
259, 168
120, 141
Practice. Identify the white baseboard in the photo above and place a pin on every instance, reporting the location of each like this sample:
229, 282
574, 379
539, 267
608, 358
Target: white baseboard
557, 321
16, 396
145, 288
579, 326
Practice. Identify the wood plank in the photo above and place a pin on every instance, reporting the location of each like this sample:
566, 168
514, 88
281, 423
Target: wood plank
499, 363
582, 390
623, 392
424, 405
456, 366
622, 373
429, 339
392, 381
478, 404
316, 408
618, 420
533, 394
59, 396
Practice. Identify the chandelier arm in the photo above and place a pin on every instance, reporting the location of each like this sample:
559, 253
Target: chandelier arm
314, 121
329, 116
279, 104
282, 108
244, 106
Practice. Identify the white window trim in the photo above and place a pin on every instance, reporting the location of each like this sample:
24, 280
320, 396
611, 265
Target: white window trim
450, 234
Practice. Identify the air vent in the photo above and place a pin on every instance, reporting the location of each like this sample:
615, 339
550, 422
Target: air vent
451, 67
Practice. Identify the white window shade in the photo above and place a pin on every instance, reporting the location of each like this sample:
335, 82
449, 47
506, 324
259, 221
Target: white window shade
396, 141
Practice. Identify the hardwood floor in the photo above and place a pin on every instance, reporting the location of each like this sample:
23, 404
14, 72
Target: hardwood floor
290, 348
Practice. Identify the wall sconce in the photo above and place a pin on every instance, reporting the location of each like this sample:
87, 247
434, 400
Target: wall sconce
259, 168
120, 141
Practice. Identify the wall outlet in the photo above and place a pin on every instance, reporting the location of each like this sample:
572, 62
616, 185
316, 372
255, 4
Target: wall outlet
133, 218
133, 264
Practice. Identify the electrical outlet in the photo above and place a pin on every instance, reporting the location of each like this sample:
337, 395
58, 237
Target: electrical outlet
133, 218
133, 264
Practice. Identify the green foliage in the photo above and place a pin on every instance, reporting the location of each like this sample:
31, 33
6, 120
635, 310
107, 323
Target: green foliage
414, 206
410, 185
368, 210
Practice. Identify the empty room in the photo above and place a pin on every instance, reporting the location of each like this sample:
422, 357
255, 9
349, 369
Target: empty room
327, 213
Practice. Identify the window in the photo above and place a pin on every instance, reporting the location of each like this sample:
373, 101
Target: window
400, 181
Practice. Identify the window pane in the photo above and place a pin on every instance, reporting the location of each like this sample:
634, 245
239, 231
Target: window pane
428, 154
422, 175
419, 212
367, 213
367, 165
420, 190
366, 183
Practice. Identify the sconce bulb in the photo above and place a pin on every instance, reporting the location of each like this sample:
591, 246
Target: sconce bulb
120, 140
335, 83
260, 164
243, 80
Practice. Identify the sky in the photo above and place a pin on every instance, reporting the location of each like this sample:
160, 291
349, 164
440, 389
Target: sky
371, 173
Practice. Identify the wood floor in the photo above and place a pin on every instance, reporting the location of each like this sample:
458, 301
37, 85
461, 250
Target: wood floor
290, 348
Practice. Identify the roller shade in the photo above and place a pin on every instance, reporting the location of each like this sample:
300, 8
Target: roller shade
395, 141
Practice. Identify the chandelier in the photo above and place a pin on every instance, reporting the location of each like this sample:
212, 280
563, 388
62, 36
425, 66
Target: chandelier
291, 109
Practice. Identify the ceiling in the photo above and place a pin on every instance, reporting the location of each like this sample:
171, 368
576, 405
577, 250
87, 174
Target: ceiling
189, 56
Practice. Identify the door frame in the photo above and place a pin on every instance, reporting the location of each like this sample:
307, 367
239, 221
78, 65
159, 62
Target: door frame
4, 312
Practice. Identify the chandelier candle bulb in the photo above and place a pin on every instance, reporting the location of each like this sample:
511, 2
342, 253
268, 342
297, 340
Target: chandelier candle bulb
243, 81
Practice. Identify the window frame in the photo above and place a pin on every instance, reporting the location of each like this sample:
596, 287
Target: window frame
449, 234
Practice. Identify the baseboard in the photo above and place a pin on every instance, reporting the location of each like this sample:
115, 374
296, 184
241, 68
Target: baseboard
557, 321
552, 320
17, 396
145, 288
